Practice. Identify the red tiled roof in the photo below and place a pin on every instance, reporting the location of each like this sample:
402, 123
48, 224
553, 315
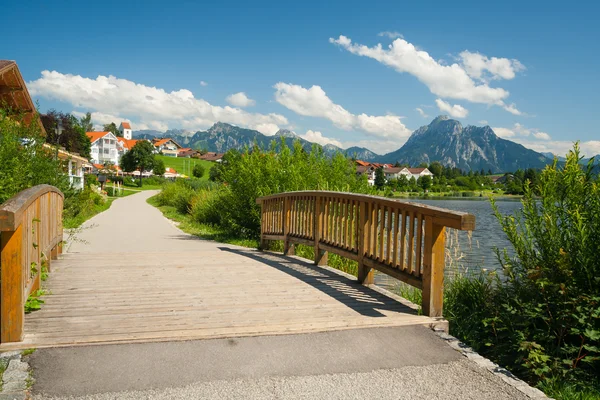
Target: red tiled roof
211, 156
125, 125
170, 170
96, 135
127, 143
392, 170
416, 170
362, 163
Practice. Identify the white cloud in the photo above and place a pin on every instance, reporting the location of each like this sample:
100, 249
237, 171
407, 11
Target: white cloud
456, 111
483, 122
446, 81
240, 100
314, 102
484, 69
541, 135
391, 34
423, 113
149, 106
317, 137
518, 130
203, 83
512, 108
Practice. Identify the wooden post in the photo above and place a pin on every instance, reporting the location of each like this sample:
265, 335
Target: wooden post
263, 222
12, 312
320, 255
365, 275
433, 269
288, 248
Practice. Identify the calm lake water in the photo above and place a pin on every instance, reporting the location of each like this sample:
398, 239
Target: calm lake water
475, 251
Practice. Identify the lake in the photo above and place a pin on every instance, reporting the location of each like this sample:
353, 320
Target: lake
475, 251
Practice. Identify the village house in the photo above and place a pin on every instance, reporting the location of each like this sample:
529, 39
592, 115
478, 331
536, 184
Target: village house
167, 147
390, 172
217, 157
105, 148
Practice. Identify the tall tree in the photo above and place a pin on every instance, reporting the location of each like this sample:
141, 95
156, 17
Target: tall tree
86, 122
112, 128
66, 131
140, 158
379, 178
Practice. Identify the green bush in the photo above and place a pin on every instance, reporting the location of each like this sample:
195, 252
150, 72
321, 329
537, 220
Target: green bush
176, 194
91, 179
205, 207
542, 318
198, 171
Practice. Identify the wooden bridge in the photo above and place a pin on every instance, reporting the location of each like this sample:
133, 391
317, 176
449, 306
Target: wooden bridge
139, 278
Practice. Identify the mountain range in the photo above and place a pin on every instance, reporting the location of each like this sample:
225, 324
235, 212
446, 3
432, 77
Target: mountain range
444, 140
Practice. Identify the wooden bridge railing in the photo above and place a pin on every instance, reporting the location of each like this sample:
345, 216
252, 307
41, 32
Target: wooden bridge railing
403, 240
31, 235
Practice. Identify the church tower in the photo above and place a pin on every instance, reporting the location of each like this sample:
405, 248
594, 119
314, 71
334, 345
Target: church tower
126, 131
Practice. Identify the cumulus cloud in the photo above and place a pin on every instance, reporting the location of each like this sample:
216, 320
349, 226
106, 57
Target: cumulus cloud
203, 83
240, 100
314, 102
456, 111
317, 137
391, 34
149, 106
484, 69
462, 81
423, 113
483, 122
518, 130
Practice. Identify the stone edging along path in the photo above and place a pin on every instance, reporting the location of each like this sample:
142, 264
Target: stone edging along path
16, 379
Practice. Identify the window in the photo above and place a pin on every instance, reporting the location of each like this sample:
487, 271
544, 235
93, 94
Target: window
105, 151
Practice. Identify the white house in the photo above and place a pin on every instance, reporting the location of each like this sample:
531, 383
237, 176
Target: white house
125, 129
105, 148
167, 147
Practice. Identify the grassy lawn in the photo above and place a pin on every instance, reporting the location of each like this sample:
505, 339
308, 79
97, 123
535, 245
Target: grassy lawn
185, 165
74, 222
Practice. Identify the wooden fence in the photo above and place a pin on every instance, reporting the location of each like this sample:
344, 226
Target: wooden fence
403, 240
31, 235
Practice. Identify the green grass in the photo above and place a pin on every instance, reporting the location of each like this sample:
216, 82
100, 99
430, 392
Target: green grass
27, 352
204, 231
185, 165
74, 222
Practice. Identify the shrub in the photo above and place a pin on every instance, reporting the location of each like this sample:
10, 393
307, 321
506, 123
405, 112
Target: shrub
198, 171
205, 207
91, 179
542, 319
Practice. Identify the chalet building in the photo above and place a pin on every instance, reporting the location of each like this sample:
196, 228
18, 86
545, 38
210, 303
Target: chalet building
217, 157
366, 168
167, 147
105, 148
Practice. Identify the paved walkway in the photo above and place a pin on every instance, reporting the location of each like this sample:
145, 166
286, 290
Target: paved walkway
282, 328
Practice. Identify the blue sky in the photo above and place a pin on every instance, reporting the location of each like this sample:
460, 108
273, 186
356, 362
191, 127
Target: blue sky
528, 69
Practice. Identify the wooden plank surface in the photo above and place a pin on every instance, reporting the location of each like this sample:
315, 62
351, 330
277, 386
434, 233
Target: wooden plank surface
218, 291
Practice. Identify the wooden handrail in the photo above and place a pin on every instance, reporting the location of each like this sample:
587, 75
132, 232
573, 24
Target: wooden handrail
31, 235
403, 240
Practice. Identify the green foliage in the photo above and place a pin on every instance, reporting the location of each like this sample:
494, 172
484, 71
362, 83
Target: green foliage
72, 136
255, 173
159, 167
112, 127
34, 302
542, 318
81, 206
24, 162
86, 122
140, 157
198, 171
91, 179
424, 182
379, 178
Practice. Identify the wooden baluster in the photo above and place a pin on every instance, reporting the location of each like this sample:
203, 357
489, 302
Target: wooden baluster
389, 236
403, 241
411, 241
381, 232
320, 255
418, 260
12, 314
288, 248
373, 233
433, 269
397, 220
365, 276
